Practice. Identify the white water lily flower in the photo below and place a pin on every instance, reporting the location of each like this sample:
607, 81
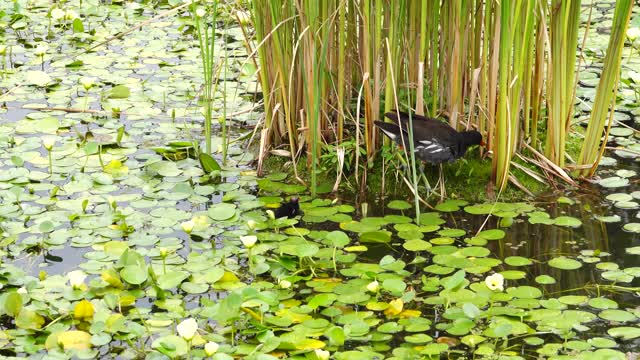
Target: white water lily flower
633, 33
41, 49
200, 12
271, 214
48, 142
211, 348
57, 13
249, 240
284, 284
87, 82
187, 328
322, 354
495, 282
187, 226
71, 15
373, 286
76, 278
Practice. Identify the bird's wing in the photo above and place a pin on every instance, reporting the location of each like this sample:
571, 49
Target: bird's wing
433, 147
448, 135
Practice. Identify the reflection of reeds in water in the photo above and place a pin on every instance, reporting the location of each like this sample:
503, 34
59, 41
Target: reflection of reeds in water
542, 243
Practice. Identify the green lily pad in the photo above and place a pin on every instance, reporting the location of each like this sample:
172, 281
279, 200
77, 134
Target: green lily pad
564, 263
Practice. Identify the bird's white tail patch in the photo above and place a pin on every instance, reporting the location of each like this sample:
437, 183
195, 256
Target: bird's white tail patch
391, 135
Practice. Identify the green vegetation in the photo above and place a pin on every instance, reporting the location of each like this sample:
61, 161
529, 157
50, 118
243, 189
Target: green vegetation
487, 67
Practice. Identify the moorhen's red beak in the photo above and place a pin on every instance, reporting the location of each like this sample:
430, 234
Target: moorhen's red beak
482, 143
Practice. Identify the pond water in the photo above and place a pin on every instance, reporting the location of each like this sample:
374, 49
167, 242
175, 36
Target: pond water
97, 175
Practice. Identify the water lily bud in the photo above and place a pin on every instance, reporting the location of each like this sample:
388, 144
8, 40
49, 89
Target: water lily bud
187, 328
271, 214
76, 278
251, 224
48, 142
373, 286
322, 354
200, 12
57, 13
164, 252
187, 226
112, 202
495, 282
284, 284
249, 240
87, 82
211, 348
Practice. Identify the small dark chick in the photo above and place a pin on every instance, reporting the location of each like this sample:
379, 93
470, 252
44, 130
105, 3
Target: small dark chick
289, 209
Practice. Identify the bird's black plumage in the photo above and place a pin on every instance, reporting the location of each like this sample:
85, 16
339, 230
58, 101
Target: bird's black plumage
289, 209
433, 141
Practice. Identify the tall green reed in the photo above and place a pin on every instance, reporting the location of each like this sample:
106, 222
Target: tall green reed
205, 15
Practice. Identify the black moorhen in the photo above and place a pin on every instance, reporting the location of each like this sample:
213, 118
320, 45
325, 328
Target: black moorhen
289, 209
433, 141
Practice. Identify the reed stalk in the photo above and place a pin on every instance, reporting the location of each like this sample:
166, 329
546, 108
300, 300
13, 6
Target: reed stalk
206, 31
604, 101
501, 157
537, 84
563, 38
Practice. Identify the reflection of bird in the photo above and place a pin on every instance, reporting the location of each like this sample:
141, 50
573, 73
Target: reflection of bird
288, 209
433, 141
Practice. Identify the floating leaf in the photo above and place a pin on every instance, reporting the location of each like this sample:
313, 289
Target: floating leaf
74, 339
517, 261
632, 227
617, 315
625, 332
564, 263
38, 78
417, 245
375, 237
222, 211
545, 279
12, 304
492, 234
568, 221
118, 92
613, 182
